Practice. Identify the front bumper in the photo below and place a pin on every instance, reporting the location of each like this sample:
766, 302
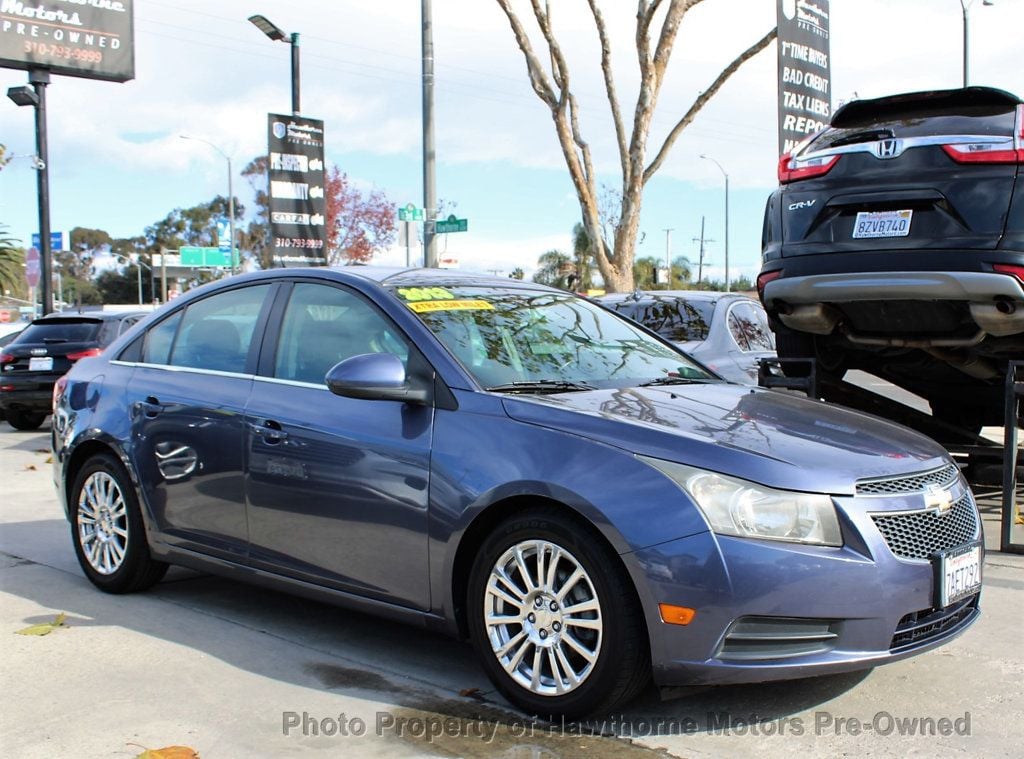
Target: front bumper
871, 606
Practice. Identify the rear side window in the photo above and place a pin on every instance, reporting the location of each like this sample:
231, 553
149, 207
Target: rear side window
61, 331
674, 319
216, 332
158, 341
748, 325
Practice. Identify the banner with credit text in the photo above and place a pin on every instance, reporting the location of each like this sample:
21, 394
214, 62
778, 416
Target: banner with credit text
298, 210
805, 72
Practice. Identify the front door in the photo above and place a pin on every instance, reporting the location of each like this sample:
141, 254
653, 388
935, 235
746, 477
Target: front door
337, 487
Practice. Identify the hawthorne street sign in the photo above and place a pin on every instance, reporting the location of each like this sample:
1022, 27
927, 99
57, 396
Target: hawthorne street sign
410, 213
451, 224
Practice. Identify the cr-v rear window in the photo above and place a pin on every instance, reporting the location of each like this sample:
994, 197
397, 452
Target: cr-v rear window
61, 331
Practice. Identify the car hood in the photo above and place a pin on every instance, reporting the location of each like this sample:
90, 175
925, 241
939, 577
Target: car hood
777, 439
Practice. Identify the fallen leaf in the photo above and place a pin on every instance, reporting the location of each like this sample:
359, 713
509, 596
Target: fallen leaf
45, 628
167, 752
49, 459
30, 467
472, 693
42, 450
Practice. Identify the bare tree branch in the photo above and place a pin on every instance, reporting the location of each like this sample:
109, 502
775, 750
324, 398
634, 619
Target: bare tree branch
609, 85
703, 98
538, 77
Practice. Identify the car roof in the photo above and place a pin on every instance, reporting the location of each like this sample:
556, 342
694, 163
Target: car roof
938, 100
638, 295
390, 276
86, 316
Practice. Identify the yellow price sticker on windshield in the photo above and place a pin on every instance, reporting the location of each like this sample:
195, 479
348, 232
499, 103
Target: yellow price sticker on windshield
428, 306
416, 294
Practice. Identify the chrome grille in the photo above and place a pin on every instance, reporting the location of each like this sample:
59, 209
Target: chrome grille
917, 483
919, 534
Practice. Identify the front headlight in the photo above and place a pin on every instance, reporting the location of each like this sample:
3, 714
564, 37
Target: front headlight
747, 510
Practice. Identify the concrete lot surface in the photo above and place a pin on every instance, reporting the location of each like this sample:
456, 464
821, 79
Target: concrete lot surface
236, 671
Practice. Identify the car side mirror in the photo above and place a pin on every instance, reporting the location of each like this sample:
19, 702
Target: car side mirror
374, 377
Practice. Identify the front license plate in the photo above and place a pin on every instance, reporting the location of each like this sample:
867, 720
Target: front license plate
869, 224
958, 574
44, 364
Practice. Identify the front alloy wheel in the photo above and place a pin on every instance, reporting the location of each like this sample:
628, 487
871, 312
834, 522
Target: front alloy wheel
555, 618
543, 617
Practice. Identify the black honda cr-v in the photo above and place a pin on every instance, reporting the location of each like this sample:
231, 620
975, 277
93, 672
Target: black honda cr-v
895, 244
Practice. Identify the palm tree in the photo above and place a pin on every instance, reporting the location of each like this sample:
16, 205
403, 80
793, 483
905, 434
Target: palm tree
583, 252
12, 262
554, 269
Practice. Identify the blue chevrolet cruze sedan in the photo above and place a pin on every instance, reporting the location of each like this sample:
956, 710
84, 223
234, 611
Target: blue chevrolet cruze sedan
518, 466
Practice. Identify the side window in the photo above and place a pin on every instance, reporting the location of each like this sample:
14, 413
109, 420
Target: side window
324, 325
749, 327
156, 348
216, 332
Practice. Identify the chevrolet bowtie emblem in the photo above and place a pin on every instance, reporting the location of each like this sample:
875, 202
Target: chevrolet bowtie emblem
938, 498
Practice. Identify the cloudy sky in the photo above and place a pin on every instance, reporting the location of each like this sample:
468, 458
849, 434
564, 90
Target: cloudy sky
117, 162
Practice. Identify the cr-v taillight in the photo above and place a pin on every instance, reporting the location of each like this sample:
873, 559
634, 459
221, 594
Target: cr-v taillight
766, 277
986, 151
793, 169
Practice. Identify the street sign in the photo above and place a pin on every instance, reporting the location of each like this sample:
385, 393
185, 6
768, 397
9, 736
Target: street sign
410, 213
58, 241
451, 224
32, 267
224, 235
204, 256
298, 208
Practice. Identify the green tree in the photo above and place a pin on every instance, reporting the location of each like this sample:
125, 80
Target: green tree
553, 269
645, 278
12, 264
517, 273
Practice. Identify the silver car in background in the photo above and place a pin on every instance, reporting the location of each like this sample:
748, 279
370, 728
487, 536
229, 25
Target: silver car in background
727, 332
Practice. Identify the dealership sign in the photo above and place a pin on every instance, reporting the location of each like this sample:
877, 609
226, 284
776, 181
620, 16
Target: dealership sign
87, 38
298, 210
805, 78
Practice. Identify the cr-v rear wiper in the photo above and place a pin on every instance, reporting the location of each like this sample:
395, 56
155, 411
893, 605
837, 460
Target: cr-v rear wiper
541, 386
868, 135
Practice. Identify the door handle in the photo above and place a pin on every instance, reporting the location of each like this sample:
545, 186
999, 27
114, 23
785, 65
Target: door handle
150, 408
269, 430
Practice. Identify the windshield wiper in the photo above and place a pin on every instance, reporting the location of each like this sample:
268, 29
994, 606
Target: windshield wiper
676, 381
540, 386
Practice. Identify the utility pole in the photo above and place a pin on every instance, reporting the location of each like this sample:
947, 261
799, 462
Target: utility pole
668, 258
429, 187
700, 262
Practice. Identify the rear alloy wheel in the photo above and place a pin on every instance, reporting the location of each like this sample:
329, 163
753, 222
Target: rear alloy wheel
25, 420
554, 618
107, 529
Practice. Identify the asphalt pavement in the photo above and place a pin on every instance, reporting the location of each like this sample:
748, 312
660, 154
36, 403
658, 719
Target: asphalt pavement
236, 671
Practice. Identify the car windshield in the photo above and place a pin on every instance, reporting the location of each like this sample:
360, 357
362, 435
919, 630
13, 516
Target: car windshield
505, 336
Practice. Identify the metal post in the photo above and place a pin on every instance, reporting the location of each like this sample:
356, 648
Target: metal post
726, 232
231, 214
163, 273
429, 189
39, 79
963, 5
295, 73
668, 259
138, 270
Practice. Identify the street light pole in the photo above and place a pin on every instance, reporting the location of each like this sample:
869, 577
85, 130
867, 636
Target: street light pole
231, 194
429, 184
965, 6
726, 175
274, 32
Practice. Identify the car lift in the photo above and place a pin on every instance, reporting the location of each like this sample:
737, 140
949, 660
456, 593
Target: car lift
990, 468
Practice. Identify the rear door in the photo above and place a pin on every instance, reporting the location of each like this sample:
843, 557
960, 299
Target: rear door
186, 398
933, 170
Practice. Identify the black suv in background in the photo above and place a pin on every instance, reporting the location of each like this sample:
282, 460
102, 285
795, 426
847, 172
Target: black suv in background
44, 351
895, 244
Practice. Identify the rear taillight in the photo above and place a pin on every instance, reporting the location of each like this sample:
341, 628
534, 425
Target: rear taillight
6, 358
766, 277
1012, 269
984, 152
58, 391
792, 169
84, 354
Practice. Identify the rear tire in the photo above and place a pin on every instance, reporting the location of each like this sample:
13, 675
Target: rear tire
566, 639
25, 420
107, 529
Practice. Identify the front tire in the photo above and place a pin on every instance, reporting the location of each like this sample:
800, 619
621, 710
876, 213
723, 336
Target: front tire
554, 618
107, 529
25, 420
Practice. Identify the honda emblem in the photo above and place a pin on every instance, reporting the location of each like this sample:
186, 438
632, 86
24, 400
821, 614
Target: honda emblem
888, 148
